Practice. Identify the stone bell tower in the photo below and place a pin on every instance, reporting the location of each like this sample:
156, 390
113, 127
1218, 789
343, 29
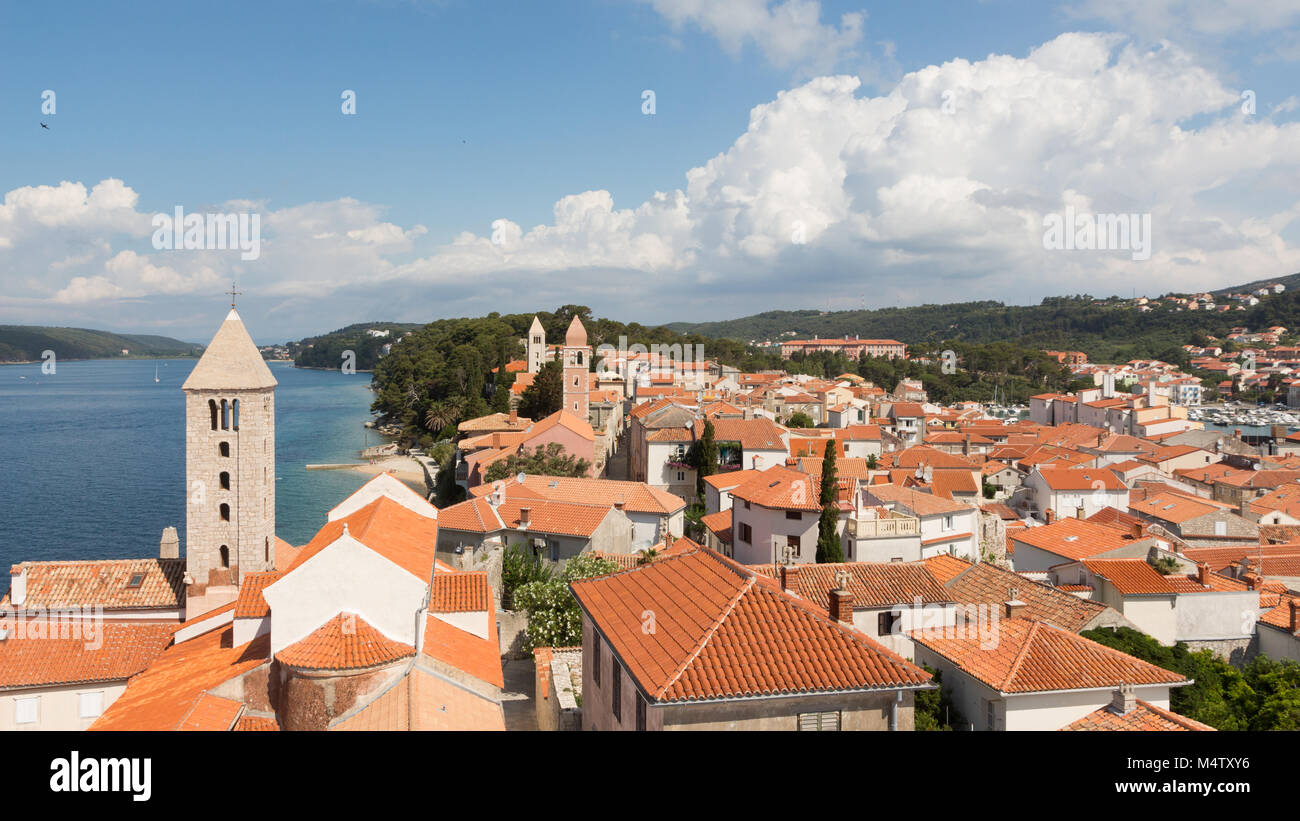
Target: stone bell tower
576, 361
229, 468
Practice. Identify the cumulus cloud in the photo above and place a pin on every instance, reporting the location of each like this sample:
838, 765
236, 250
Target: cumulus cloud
936, 191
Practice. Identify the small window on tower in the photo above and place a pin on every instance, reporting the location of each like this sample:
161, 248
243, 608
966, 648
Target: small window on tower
223, 448
225, 556
225, 480
225, 512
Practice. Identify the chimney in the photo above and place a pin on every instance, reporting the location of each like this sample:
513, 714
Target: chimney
1049, 515
1014, 607
1124, 700
757, 460
1136, 530
1203, 574
525, 517
620, 505
1295, 616
841, 609
514, 416
169, 546
790, 461
790, 578
17, 586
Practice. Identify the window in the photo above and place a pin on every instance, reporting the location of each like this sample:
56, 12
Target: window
745, 533
990, 716
792, 542
640, 713
553, 549
234, 414
223, 448
212, 409
92, 704
947, 522
885, 623
225, 415
225, 512
595, 661
225, 556
746, 504
225, 480
681, 476
794, 514
135, 581
616, 691
819, 722
27, 710
1220, 528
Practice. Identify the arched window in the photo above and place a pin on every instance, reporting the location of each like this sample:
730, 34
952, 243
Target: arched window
225, 512
234, 415
225, 415
225, 557
223, 448
225, 480
212, 409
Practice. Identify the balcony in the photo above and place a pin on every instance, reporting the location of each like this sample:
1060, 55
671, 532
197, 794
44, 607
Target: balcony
887, 526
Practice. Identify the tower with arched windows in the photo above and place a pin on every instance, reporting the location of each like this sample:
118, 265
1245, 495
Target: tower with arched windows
576, 361
535, 346
229, 467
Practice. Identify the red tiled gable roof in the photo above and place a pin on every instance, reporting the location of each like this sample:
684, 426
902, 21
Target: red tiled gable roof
1131, 577
719, 523
1073, 538
945, 567
44, 653
923, 504
460, 592
1144, 716
938, 460
759, 433
873, 584
345, 642
544, 516
1033, 656
984, 584
251, 604
722, 634
637, 497
211, 712
465, 651
564, 419
161, 697
731, 478
104, 584
780, 488
401, 535
1063, 478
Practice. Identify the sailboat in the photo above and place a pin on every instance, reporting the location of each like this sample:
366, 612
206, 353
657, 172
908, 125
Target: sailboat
155, 372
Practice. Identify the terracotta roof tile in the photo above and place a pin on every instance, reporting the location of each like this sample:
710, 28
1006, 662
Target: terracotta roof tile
720, 633
44, 652
392, 530
251, 604
479, 657
873, 584
247, 723
984, 584
211, 712
345, 642
460, 592
1033, 656
105, 583
1144, 717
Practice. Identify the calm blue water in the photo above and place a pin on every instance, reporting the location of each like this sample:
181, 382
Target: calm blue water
94, 455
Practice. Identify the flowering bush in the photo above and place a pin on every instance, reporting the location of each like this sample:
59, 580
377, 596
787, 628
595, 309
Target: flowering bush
554, 619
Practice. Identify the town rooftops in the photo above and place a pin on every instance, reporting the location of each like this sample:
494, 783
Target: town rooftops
722, 631
392, 530
544, 516
1034, 657
1143, 716
759, 433
1090, 479
43, 653
636, 497
919, 502
873, 584
780, 488
344, 642
1074, 538
984, 584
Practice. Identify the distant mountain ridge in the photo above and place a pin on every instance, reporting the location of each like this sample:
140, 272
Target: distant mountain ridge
27, 343
1106, 330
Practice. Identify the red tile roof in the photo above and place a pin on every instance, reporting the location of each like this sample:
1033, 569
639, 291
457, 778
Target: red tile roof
1073, 538
479, 657
251, 604
780, 488
43, 652
345, 642
1144, 716
247, 723
719, 633
162, 696
989, 586
1062, 478
211, 712
873, 584
392, 530
460, 592
637, 497
104, 583
1033, 656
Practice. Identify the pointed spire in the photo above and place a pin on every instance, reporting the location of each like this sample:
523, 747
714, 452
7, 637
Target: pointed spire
576, 336
230, 362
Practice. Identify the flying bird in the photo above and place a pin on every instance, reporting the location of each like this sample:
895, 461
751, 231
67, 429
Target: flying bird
46, 127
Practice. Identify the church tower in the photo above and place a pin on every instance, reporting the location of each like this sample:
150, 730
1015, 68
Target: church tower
535, 345
229, 468
576, 359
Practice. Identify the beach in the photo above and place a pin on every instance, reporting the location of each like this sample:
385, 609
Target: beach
404, 468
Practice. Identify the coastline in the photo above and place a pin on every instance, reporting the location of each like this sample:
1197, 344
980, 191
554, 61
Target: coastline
404, 468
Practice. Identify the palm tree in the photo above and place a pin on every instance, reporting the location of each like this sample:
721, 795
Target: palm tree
441, 414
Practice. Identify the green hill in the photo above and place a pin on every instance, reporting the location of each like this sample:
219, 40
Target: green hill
26, 343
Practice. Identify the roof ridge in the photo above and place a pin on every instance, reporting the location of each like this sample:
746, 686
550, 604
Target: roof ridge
1020, 657
708, 633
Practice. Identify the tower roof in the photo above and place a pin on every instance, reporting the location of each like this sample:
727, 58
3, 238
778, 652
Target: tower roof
536, 327
576, 336
230, 362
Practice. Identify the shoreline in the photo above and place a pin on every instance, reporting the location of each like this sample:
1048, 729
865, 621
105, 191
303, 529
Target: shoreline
404, 468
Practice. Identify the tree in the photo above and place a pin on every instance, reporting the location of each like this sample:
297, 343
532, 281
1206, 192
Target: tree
544, 397
554, 619
706, 457
543, 460
829, 548
872, 461
441, 415
799, 419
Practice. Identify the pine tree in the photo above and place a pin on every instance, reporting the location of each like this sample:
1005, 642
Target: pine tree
828, 537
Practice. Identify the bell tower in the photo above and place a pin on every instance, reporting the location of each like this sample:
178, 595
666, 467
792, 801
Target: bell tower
229, 468
535, 345
576, 360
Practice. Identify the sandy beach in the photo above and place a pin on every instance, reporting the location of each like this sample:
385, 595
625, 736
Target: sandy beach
403, 467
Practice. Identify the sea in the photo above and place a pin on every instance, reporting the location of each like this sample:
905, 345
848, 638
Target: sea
94, 454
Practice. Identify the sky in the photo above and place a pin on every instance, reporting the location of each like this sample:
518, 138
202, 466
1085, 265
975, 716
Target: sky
655, 160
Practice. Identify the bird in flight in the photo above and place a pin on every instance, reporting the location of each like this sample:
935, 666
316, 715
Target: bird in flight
46, 127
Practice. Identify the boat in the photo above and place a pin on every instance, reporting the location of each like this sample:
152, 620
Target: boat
155, 374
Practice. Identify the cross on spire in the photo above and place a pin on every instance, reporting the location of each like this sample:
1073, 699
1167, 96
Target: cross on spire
233, 293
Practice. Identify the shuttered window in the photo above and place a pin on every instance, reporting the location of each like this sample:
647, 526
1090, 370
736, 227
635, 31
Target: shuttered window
819, 722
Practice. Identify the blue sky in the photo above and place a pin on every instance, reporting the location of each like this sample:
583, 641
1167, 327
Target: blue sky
468, 113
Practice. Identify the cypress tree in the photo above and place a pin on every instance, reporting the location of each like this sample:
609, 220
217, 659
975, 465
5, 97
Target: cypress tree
706, 457
828, 538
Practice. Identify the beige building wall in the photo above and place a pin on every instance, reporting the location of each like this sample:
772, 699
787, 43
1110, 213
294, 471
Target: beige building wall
57, 708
